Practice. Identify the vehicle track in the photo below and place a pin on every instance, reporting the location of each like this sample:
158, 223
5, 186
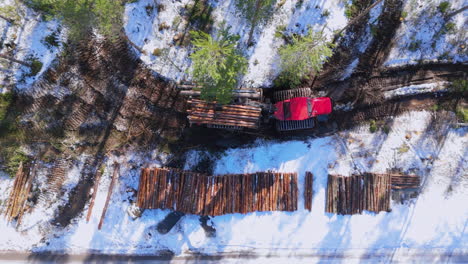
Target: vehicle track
106, 98
391, 108
358, 86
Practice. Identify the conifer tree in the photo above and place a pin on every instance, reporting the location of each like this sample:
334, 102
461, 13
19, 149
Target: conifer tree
217, 65
304, 56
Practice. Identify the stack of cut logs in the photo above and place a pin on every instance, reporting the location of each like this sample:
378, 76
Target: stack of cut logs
308, 190
353, 194
400, 181
195, 193
18, 196
201, 112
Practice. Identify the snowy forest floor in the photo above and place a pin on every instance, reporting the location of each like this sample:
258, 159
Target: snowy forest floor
418, 142
107, 103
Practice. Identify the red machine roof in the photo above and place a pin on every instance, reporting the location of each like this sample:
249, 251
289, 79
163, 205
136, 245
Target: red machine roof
301, 108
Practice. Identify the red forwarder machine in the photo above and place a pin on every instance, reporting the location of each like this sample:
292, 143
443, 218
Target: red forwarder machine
293, 109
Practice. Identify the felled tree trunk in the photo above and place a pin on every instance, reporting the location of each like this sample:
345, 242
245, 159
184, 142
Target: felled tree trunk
9, 20
6, 57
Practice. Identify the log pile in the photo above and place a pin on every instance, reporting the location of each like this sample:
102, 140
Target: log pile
208, 113
19, 194
400, 181
201, 194
308, 190
378, 191
353, 194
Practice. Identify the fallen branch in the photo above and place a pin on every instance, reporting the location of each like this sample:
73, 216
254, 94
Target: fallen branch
95, 190
109, 194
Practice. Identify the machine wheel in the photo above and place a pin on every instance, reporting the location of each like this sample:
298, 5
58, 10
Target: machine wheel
288, 94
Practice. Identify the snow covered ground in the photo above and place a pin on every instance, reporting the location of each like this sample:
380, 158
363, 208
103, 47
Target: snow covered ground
425, 35
417, 89
26, 39
143, 28
435, 221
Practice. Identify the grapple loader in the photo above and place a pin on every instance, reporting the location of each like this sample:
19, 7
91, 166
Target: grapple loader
293, 109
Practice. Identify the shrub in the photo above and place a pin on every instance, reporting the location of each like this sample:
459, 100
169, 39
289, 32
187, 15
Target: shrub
81, 16
326, 13
280, 30
462, 114
404, 14
163, 26
5, 101
414, 46
444, 7
460, 86
403, 148
444, 56
36, 67
281, 3
52, 40
157, 52
299, 3
351, 10
176, 22
373, 126
450, 27
161, 7
386, 129
14, 161
149, 10
374, 30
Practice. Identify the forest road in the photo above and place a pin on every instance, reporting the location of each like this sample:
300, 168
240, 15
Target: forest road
398, 255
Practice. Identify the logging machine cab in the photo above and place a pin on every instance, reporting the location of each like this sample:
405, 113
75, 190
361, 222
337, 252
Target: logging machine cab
302, 108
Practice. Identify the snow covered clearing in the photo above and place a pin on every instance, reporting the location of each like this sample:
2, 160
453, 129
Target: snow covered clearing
426, 34
26, 40
436, 220
144, 29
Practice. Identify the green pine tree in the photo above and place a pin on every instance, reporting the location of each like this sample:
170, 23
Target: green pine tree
216, 65
304, 56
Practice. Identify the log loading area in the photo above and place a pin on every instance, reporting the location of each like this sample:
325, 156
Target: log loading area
369, 191
201, 194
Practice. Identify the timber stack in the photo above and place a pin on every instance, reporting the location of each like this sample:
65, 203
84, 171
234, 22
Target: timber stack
308, 190
353, 194
201, 194
223, 116
20, 193
401, 181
